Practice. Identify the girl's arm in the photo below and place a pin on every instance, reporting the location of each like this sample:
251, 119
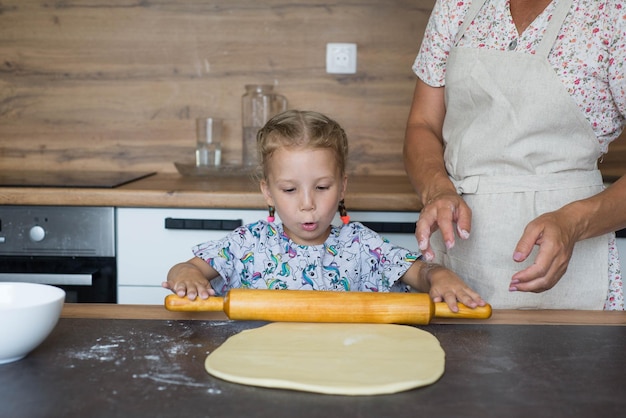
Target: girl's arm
442, 284
191, 279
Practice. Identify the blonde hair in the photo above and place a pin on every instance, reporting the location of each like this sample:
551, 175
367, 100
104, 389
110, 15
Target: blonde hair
307, 129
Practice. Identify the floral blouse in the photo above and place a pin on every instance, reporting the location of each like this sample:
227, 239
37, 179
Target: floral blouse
589, 57
261, 256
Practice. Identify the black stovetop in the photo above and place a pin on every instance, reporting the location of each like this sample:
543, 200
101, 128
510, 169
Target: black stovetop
66, 178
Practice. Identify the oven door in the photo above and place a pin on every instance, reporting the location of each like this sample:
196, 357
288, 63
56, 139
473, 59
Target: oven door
84, 279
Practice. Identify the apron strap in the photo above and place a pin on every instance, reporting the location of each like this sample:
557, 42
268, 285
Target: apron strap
469, 17
556, 21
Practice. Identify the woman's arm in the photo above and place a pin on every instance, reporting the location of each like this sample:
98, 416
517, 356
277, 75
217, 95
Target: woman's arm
423, 142
556, 233
424, 163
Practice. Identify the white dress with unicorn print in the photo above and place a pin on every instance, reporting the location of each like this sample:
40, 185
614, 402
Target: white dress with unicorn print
260, 256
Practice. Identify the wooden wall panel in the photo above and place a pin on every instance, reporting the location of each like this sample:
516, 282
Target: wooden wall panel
117, 85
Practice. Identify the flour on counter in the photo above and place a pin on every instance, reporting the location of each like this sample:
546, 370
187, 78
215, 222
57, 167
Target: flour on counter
175, 379
158, 360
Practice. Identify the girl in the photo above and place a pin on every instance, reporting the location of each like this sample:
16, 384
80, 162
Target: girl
303, 157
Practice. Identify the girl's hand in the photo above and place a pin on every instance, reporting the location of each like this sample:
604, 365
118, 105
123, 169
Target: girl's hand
443, 212
191, 279
446, 286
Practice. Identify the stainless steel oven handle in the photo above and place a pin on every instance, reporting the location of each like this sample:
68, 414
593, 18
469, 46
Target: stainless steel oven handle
58, 279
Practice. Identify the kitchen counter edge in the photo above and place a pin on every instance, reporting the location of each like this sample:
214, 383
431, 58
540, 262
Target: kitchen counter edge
499, 317
171, 190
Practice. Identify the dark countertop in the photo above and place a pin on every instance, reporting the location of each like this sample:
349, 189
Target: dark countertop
155, 367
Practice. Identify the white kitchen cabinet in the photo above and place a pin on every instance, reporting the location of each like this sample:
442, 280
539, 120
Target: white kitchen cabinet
146, 249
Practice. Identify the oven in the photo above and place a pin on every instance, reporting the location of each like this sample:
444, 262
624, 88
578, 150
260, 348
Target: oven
72, 247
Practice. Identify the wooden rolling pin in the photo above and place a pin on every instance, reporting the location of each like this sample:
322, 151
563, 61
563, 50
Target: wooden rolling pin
325, 306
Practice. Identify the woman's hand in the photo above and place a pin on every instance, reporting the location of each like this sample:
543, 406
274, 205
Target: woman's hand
191, 279
423, 160
447, 212
555, 234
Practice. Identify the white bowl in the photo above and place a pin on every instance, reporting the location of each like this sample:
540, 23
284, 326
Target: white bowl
28, 314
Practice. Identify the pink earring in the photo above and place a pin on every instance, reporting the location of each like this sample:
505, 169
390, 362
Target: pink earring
343, 213
271, 218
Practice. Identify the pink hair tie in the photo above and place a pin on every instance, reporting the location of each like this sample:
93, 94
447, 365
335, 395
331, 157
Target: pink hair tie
343, 213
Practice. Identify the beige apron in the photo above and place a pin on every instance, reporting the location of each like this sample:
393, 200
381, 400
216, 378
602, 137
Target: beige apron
516, 146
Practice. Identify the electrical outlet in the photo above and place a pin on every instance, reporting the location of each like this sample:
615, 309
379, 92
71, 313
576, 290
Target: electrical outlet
341, 58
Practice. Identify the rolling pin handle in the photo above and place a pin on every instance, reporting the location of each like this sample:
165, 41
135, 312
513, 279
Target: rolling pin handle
442, 310
178, 304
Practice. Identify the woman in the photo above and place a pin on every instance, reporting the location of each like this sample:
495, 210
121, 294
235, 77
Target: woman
516, 101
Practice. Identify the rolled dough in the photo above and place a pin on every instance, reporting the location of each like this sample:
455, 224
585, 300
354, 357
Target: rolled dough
341, 359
